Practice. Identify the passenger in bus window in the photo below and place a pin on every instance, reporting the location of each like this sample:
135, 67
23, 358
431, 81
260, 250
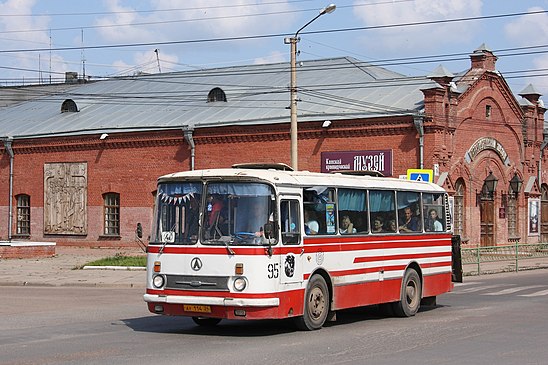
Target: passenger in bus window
378, 224
311, 226
433, 223
215, 204
391, 226
411, 223
347, 227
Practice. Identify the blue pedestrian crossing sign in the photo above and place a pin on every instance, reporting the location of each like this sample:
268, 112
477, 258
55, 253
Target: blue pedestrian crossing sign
420, 175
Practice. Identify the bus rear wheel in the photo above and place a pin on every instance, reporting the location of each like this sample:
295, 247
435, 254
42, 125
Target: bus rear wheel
316, 305
206, 321
410, 301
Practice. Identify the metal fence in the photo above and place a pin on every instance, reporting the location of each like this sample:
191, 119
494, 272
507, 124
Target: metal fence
514, 257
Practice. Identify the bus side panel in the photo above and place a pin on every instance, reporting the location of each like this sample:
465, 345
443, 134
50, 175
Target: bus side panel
437, 284
356, 295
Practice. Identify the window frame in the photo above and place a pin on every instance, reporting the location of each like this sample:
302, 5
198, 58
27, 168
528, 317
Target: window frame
111, 213
23, 215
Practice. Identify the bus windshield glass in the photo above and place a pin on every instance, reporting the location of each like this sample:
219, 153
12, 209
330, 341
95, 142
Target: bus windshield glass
239, 213
178, 207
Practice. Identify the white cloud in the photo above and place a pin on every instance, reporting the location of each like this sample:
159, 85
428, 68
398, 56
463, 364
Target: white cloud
191, 20
424, 37
274, 57
527, 27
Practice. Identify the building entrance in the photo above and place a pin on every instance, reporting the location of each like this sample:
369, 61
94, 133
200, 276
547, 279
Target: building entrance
487, 218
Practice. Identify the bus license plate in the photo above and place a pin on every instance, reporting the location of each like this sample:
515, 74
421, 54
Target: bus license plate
197, 308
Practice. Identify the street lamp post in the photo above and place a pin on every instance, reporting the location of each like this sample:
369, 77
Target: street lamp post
293, 88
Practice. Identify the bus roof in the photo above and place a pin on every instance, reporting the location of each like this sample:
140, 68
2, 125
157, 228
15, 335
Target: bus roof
279, 177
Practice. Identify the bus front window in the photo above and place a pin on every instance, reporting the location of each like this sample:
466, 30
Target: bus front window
236, 214
177, 213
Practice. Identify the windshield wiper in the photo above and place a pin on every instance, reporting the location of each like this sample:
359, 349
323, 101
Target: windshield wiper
161, 250
230, 250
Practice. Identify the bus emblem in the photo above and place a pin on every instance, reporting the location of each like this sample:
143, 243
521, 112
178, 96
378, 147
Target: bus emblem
289, 265
196, 264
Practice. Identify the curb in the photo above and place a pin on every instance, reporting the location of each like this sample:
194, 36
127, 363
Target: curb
119, 268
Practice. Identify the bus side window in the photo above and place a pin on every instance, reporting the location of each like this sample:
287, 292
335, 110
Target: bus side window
320, 210
409, 212
434, 212
352, 205
290, 222
382, 207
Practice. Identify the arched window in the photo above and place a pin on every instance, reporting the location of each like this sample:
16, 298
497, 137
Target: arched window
23, 214
216, 94
69, 106
458, 218
112, 214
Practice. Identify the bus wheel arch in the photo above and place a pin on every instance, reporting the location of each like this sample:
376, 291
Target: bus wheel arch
410, 292
317, 302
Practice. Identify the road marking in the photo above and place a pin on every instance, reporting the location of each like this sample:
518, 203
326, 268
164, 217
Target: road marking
480, 288
514, 290
466, 283
537, 294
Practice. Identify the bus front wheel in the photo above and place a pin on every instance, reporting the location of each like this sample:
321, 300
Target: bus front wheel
410, 300
316, 305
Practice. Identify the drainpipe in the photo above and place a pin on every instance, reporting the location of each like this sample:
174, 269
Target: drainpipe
7, 146
187, 132
542, 147
419, 126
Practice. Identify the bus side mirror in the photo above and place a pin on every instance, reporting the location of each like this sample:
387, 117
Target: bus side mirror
139, 230
268, 230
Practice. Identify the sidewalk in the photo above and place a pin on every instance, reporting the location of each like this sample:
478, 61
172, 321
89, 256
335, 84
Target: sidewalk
66, 268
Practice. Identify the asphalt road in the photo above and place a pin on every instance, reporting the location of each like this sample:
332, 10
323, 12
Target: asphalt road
495, 319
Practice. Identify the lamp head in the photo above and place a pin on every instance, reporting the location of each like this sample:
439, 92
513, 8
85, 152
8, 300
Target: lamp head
326, 124
328, 9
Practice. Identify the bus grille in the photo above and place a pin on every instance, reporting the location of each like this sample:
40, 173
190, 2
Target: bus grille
189, 282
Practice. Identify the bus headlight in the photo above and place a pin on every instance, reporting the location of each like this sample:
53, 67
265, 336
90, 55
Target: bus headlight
240, 283
158, 281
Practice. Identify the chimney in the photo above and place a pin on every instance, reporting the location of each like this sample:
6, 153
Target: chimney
483, 58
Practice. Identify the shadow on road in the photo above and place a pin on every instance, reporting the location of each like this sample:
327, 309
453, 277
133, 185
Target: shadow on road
240, 328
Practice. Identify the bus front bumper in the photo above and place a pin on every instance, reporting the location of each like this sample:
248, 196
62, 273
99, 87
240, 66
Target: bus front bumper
213, 301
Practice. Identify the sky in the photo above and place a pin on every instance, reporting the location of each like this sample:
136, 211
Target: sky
40, 40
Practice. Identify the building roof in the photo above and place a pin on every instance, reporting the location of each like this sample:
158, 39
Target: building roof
328, 89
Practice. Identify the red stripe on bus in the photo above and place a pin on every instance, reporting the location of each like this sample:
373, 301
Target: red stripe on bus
401, 257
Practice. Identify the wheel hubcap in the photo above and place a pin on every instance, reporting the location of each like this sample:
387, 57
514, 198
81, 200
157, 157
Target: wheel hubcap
316, 303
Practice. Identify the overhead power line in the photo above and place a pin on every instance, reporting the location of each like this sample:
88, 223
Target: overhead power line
275, 35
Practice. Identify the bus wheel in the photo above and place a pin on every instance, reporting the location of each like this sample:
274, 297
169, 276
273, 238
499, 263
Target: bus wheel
410, 295
316, 305
206, 322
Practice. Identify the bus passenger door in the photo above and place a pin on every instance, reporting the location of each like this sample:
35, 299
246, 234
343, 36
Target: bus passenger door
291, 266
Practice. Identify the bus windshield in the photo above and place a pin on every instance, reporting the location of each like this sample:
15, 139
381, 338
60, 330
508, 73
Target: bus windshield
238, 213
178, 207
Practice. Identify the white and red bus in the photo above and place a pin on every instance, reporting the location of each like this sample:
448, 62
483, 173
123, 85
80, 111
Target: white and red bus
265, 242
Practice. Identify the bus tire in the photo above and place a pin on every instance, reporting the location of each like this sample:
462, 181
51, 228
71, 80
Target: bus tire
316, 305
206, 321
410, 301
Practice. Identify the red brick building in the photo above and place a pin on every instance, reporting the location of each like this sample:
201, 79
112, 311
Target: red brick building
79, 166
